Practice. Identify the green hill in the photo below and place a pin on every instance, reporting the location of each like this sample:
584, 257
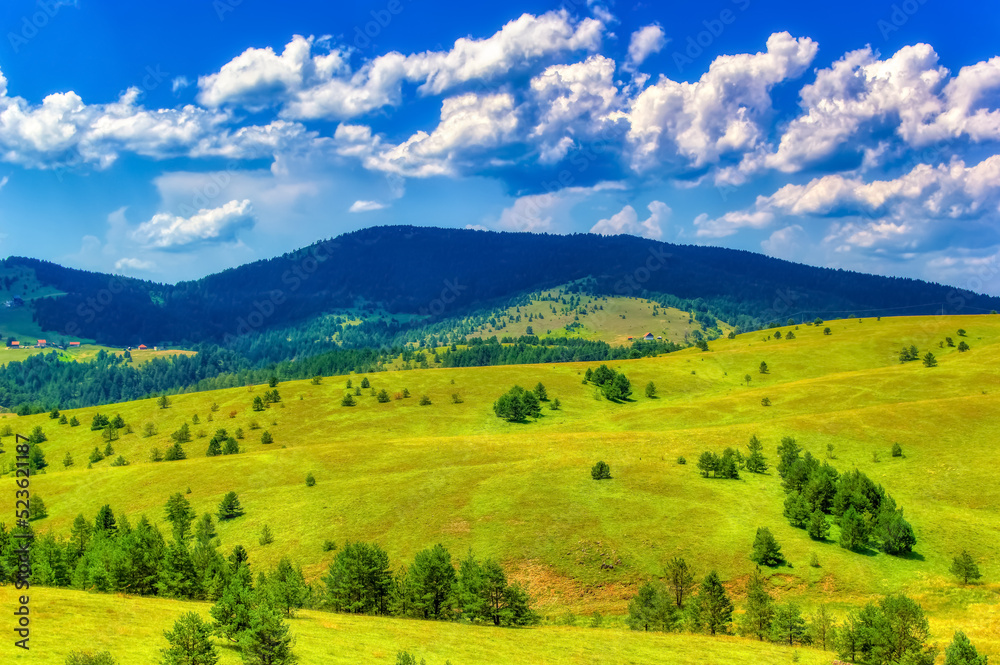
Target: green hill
408, 476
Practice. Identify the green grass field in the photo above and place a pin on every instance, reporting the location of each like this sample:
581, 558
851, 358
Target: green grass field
132, 629
408, 476
611, 319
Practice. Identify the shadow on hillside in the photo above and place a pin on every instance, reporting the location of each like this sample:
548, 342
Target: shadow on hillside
913, 556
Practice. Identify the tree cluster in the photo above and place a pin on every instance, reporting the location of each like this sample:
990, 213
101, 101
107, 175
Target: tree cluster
360, 581
615, 386
865, 512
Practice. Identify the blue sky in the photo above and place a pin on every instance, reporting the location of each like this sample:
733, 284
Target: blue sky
170, 140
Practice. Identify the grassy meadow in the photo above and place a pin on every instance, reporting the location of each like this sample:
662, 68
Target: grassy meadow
409, 476
611, 319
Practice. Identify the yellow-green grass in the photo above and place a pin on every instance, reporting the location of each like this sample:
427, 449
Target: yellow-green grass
87, 353
408, 476
606, 325
132, 629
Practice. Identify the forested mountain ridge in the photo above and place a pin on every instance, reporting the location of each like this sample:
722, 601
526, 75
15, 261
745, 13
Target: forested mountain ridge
442, 272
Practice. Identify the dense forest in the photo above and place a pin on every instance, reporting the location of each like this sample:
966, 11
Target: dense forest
440, 273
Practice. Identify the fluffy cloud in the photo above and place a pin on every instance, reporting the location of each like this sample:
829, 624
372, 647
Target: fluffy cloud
627, 221
63, 131
573, 103
133, 264
725, 111
366, 206
537, 212
644, 43
900, 213
861, 97
316, 86
470, 124
167, 231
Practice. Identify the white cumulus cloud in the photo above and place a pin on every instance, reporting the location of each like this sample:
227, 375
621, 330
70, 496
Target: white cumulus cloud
167, 231
366, 206
645, 42
627, 221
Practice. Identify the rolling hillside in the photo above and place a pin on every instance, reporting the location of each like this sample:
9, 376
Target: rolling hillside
447, 272
408, 476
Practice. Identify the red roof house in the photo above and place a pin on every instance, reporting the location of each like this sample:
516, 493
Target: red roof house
15, 344
74, 343
41, 343
143, 347
649, 337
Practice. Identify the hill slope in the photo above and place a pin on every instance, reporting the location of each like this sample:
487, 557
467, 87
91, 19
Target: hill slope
409, 476
439, 272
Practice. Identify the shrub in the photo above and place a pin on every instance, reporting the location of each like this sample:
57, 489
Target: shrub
456, 399
266, 537
600, 471
310, 479
383, 396
424, 400
406, 393
681, 460
555, 404
90, 658
347, 400
329, 546
897, 450
765, 401
119, 461
266, 438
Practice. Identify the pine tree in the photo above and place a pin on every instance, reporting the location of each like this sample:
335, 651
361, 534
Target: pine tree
105, 522
433, 578
266, 641
231, 613
650, 390
181, 515
266, 438
36, 508
766, 551
756, 462
214, 448
713, 611
286, 587
189, 643
818, 527
788, 625
964, 567
853, 531
266, 536
68, 460
962, 652
541, 393
229, 507
680, 580
231, 447
759, 614
651, 609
